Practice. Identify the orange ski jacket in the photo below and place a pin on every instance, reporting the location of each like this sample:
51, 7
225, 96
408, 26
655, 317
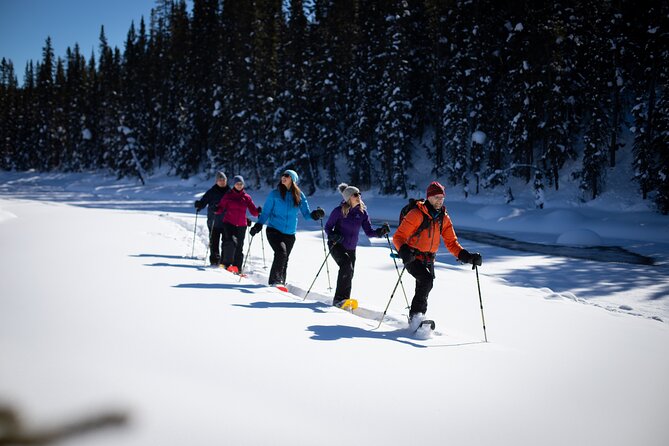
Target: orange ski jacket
427, 240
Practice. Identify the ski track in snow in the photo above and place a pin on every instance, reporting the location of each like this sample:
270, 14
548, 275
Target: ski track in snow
392, 328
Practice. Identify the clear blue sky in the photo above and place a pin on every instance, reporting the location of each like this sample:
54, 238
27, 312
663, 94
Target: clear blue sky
25, 25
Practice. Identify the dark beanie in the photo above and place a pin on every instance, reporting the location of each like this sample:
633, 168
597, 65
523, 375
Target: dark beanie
435, 189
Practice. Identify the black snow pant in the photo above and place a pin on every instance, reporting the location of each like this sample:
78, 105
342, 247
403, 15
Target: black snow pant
215, 240
282, 245
233, 245
423, 271
346, 261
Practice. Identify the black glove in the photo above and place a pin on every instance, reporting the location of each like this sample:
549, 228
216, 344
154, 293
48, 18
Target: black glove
466, 257
259, 210
255, 229
336, 238
248, 221
198, 205
383, 230
406, 254
318, 214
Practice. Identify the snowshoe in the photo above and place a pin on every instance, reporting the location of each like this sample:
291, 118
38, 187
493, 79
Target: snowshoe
346, 304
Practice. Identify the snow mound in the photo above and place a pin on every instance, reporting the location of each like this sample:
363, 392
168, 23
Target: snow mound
495, 212
563, 217
5, 215
580, 237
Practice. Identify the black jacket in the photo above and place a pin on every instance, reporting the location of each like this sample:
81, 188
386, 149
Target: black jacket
210, 199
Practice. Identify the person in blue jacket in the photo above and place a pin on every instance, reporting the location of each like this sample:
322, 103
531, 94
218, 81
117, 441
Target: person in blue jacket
280, 215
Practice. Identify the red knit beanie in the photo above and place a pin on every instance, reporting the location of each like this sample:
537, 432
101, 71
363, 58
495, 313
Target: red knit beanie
435, 189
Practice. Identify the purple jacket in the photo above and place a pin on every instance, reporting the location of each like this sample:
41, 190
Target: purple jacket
349, 227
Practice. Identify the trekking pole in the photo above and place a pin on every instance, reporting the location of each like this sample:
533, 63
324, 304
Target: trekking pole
327, 267
393, 255
478, 283
399, 279
211, 229
192, 253
206, 254
319, 271
262, 240
248, 251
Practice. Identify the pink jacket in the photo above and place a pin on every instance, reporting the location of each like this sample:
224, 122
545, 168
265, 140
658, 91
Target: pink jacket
233, 206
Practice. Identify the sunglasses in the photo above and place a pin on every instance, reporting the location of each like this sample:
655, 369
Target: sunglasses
356, 194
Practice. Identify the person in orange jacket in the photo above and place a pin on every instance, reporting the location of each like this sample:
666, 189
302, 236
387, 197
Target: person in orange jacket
417, 241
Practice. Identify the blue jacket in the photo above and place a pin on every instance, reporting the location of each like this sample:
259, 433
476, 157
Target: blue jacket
349, 226
281, 213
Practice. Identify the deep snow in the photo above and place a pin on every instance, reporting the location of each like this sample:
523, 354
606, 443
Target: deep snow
102, 307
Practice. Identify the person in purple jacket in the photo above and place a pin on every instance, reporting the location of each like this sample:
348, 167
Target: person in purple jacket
233, 206
342, 229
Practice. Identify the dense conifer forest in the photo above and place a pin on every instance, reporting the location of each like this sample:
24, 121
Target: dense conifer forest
356, 90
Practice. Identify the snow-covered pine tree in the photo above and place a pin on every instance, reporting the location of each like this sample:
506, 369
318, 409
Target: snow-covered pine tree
435, 68
132, 159
393, 131
648, 69
661, 145
558, 95
364, 95
298, 102
520, 88
486, 111
457, 101
334, 30
91, 149
658, 40
72, 109
61, 142
603, 77
179, 121
45, 108
26, 149
205, 43
9, 109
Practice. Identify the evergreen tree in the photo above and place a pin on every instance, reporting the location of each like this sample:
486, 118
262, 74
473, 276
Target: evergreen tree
179, 103
393, 132
205, 41
9, 109
294, 126
648, 74
45, 108
334, 31
365, 94
458, 103
521, 87
558, 91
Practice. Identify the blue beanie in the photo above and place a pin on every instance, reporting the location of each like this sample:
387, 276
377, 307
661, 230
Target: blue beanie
293, 175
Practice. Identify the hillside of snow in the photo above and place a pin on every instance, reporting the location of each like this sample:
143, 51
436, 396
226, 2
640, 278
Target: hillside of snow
104, 309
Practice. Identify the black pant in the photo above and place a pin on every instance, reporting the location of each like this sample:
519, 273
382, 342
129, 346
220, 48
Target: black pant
282, 244
346, 261
215, 241
233, 245
424, 274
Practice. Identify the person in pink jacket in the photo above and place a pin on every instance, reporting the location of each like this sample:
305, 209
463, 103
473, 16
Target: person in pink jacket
233, 206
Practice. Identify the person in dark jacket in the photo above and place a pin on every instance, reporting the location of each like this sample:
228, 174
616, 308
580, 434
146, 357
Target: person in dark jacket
343, 228
210, 200
280, 214
233, 207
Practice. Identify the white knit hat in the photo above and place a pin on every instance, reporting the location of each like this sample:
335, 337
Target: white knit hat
347, 191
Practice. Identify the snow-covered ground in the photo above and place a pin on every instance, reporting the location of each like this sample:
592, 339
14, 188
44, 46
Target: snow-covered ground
103, 308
